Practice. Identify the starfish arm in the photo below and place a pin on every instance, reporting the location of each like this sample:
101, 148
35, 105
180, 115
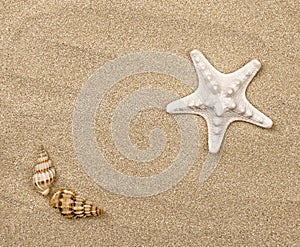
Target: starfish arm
248, 113
216, 125
207, 74
201, 63
180, 105
243, 76
192, 104
216, 133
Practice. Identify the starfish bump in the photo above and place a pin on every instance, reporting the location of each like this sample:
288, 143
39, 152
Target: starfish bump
220, 99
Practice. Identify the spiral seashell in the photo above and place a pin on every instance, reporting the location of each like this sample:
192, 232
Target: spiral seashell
44, 172
72, 206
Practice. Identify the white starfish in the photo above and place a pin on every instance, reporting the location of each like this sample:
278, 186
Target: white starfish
220, 99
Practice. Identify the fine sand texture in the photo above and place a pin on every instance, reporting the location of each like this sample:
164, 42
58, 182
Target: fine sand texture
48, 52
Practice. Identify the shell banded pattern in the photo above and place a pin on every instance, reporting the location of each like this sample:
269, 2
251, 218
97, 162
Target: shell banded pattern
44, 172
72, 206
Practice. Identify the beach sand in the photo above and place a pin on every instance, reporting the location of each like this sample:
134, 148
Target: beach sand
49, 50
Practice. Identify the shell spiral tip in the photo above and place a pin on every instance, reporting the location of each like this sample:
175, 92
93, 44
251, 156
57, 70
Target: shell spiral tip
45, 192
100, 211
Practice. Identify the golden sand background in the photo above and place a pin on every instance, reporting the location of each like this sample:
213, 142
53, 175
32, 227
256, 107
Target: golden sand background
48, 51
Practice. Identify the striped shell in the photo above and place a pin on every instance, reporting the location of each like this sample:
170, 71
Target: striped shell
72, 206
44, 172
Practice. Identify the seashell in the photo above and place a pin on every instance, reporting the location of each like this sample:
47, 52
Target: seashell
72, 206
44, 172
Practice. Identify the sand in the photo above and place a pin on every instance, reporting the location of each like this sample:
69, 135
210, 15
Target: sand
49, 49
